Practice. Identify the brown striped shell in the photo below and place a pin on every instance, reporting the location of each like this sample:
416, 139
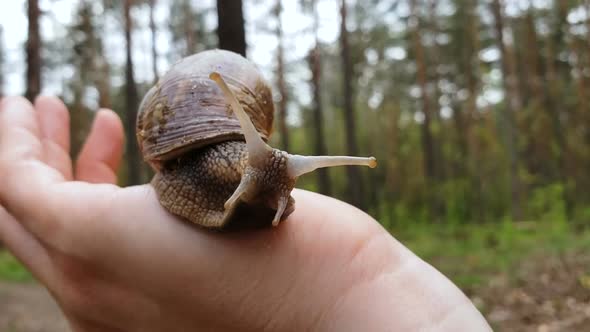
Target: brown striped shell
186, 110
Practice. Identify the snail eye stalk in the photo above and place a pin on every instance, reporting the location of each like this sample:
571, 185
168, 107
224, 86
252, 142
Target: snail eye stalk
299, 165
258, 150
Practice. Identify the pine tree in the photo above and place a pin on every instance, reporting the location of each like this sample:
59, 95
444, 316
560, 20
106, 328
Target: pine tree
315, 65
512, 104
134, 168
282, 110
423, 81
230, 26
355, 191
33, 51
153, 32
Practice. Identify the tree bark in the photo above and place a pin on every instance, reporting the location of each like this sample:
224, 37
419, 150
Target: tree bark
33, 50
282, 86
153, 32
315, 64
512, 105
355, 192
133, 166
230, 26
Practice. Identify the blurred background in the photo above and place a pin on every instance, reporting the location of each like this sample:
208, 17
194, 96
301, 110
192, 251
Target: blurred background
477, 111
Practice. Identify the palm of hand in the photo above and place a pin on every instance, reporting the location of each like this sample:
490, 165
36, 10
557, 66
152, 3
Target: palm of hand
115, 260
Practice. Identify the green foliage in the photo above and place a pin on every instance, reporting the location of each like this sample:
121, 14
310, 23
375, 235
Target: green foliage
11, 269
546, 203
582, 216
456, 193
470, 254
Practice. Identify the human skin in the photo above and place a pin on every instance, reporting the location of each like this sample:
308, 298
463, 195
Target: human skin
116, 261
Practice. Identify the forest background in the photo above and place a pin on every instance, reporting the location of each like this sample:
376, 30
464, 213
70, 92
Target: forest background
477, 111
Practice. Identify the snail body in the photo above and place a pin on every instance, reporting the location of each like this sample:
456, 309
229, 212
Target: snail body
203, 128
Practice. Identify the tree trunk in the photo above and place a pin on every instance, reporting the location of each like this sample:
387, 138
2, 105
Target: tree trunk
579, 48
566, 165
553, 81
473, 155
532, 55
587, 96
512, 105
437, 137
543, 93
103, 81
153, 37
230, 26
189, 31
131, 98
422, 80
315, 65
33, 50
560, 40
282, 86
355, 192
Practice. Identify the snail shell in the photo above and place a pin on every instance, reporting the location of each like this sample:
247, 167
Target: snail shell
186, 110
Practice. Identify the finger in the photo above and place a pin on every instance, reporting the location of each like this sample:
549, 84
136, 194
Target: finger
54, 123
25, 247
25, 179
19, 130
101, 155
35, 194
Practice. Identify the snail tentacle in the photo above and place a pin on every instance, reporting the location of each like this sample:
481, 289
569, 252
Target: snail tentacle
245, 185
258, 150
283, 200
298, 165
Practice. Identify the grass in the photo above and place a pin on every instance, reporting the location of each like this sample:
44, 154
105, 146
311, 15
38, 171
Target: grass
11, 269
470, 254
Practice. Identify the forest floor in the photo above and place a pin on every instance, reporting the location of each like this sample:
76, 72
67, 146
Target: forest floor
523, 277
526, 276
28, 307
548, 294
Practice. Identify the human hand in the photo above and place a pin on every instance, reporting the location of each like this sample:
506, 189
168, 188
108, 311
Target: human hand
116, 261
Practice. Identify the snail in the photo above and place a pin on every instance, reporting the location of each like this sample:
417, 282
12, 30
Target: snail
203, 128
